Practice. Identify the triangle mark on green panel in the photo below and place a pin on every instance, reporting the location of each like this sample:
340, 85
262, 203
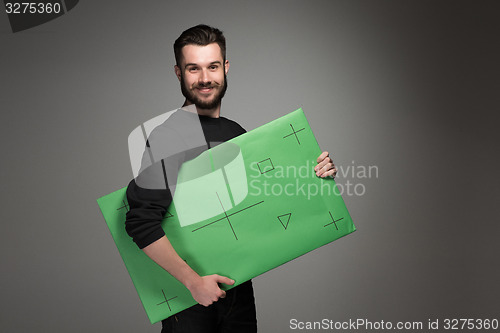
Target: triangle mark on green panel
285, 219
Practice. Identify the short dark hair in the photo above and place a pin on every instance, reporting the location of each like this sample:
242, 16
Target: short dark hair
202, 35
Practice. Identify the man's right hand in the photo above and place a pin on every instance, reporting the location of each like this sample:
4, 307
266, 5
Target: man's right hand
206, 289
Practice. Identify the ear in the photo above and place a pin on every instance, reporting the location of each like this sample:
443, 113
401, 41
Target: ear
226, 66
177, 72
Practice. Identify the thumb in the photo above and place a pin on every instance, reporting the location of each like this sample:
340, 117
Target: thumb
225, 280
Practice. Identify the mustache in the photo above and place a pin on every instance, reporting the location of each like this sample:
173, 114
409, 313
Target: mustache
211, 84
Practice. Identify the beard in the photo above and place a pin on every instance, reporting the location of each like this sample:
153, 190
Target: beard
210, 104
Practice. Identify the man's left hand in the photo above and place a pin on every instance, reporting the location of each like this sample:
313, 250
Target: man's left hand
325, 167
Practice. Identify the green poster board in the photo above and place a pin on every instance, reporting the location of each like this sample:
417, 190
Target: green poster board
240, 209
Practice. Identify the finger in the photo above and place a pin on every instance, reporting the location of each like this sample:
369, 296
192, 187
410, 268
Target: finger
222, 294
322, 163
322, 156
326, 167
330, 173
223, 279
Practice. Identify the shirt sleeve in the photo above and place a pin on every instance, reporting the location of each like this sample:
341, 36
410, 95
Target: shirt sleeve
147, 209
149, 206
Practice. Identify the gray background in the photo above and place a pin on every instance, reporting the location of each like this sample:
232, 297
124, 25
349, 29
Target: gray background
408, 86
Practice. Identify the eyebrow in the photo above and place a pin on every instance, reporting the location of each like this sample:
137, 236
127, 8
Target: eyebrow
212, 63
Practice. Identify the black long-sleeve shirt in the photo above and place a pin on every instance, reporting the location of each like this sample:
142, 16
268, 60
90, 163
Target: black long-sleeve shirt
148, 207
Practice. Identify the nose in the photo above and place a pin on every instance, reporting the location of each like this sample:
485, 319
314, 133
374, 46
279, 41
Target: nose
204, 77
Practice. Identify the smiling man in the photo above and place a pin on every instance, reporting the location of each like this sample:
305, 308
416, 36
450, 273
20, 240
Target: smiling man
201, 67
202, 72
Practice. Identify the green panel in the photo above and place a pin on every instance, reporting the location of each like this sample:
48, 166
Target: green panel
261, 205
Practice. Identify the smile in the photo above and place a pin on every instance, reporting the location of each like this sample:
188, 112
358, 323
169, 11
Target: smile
204, 90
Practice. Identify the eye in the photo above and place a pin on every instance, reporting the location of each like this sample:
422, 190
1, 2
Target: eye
213, 67
193, 69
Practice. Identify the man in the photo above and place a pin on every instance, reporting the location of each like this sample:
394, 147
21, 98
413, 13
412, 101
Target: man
201, 67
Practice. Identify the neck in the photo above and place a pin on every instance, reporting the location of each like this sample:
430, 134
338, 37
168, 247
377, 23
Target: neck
212, 113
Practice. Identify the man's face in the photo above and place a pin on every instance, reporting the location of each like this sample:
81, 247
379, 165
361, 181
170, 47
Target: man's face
202, 74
